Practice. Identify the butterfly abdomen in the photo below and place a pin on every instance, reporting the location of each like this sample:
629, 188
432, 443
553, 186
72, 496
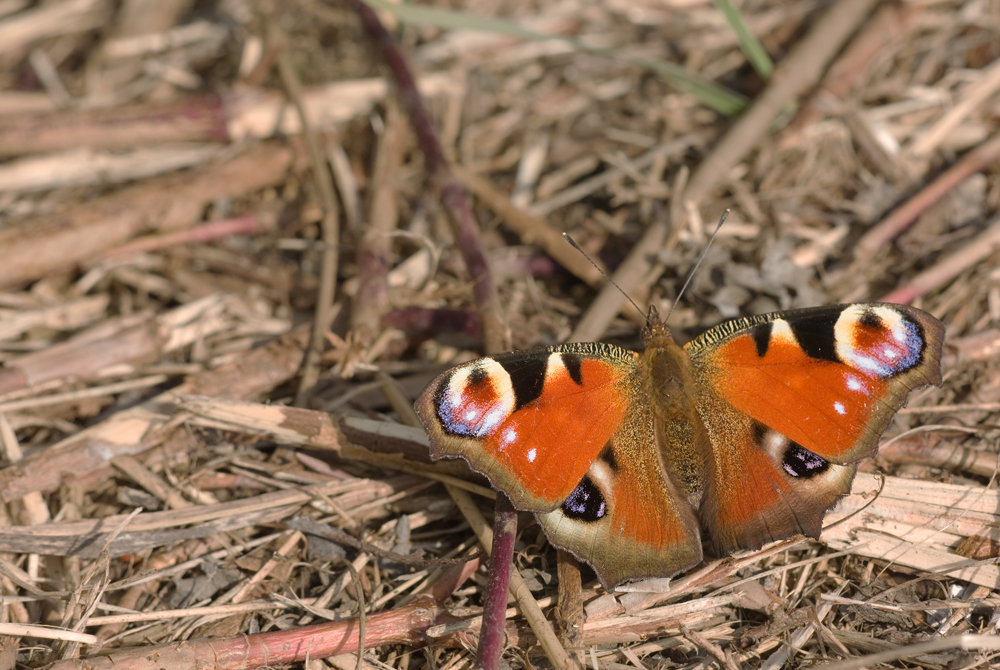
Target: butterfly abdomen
681, 438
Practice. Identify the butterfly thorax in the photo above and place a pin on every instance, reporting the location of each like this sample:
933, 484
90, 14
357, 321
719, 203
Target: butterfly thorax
670, 386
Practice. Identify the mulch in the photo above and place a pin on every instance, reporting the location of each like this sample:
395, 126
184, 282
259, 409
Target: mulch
236, 244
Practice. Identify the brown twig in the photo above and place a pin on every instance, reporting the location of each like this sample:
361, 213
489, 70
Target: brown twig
569, 612
951, 266
136, 339
901, 218
726, 660
968, 100
981, 346
330, 226
931, 450
58, 242
532, 229
794, 75
374, 250
188, 119
362, 615
628, 277
889, 24
451, 193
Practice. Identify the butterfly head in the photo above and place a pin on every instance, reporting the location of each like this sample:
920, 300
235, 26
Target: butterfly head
656, 330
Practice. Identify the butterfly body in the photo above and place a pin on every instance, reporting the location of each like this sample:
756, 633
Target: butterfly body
746, 435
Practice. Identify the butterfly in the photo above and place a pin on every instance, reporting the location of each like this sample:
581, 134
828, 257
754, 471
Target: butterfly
746, 435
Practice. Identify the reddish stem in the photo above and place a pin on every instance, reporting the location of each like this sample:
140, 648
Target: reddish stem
400, 626
251, 224
405, 625
491, 637
904, 216
452, 194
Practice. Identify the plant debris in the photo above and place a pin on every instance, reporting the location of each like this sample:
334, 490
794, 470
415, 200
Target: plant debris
237, 245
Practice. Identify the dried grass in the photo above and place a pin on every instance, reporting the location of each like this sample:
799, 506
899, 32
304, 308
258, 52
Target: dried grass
164, 237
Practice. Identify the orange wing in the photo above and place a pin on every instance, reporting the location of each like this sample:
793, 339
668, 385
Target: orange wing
792, 401
626, 517
534, 421
829, 378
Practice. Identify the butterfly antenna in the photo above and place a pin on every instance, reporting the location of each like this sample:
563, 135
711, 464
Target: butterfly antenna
687, 282
610, 280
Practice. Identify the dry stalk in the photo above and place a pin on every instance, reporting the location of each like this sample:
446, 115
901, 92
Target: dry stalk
797, 72
330, 226
452, 195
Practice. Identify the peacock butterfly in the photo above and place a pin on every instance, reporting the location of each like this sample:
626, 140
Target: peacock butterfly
747, 434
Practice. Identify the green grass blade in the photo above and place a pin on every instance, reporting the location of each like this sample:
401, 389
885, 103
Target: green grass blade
452, 20
749, 44
709, 93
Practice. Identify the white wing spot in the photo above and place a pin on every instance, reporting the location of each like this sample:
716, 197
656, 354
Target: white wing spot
509, 436
839, 406
493, 419
854, 384
872, 365
889, 353
531, 455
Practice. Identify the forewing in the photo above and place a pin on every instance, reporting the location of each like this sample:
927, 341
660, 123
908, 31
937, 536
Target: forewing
829, 378
534, 421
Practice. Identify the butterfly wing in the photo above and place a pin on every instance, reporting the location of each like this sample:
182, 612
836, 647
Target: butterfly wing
792, 401
533, 421
625, 517
564, 432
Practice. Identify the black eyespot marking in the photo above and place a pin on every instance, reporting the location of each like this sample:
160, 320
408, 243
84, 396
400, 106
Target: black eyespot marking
801, 463
758, 432
761, 335
872, 321
815, 333
608, 456
527, 375
585, 503
574, 365
477, 376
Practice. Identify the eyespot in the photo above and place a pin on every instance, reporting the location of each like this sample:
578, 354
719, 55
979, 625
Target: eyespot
586, 502
802, 463
475, 399
878, 340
